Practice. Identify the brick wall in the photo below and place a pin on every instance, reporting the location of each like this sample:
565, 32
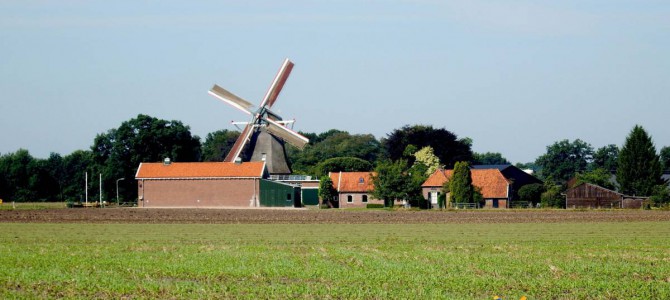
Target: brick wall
357, 200
197, 193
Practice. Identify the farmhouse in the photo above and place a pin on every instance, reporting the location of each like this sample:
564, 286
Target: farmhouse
353, 188
514, 175
494, 186
210, 184
588, 195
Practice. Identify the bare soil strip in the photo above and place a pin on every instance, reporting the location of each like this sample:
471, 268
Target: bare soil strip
326, 216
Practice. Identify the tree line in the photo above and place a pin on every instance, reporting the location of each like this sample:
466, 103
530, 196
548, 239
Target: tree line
410, 154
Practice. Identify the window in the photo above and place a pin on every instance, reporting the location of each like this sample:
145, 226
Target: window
361, 180
365, 199
350, 199
288, 196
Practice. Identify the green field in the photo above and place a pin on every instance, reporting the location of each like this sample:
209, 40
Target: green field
455, 261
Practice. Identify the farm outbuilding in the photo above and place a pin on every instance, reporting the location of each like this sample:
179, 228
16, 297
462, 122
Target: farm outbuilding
354, 189
588, 195
494, 186
210, 184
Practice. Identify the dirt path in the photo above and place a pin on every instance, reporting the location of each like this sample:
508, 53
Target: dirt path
334, 216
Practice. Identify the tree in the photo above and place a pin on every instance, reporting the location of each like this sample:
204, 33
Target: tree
531, 192
427, 157
606, 158
390, 181
343, 164
489, 158
326, 190
639, 168
75, 166
564, 159
665, 158
660, 195
600, 177
330, 144
445, 144
460, 184
119, 152
552, 196
15, 168
217, 144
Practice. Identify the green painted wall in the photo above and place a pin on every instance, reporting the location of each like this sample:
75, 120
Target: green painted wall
310, 196
274, 194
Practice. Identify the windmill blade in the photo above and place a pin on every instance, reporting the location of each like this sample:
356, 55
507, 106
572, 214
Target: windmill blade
277, 84
239, 143
231, 99
286, 134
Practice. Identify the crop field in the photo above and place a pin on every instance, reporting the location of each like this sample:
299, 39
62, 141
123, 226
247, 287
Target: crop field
94, 253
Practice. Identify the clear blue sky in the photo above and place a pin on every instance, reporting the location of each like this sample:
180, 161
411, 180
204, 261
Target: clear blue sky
515, 76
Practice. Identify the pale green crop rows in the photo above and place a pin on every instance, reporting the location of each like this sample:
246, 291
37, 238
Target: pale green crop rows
459, 261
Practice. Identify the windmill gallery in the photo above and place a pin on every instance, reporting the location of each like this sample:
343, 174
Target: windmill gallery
245, 177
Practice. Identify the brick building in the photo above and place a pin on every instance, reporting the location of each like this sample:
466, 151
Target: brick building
353, 189
210, 184
495, 188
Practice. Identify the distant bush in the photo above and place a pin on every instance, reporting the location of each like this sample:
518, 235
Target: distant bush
374, 205
531, 192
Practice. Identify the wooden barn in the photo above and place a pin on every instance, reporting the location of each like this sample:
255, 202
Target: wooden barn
211, 184
588, 195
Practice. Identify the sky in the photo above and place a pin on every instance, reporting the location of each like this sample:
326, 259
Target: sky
514, 76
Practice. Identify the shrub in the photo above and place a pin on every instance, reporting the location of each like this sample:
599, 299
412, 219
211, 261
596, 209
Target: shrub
374, 205
552, 197
531, 192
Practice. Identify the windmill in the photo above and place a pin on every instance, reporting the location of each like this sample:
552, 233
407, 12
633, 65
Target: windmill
263, 137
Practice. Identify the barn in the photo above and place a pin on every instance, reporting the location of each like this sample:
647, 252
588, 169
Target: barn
210, 184
588, 195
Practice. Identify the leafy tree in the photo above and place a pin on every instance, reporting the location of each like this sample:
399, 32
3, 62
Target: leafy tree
75, 166
665, 158
489, 158
217, 144
639, 167
660, 195
442, 197
118, 152
460, 184
564, 159
326, 190
343, 164
606, 158
599, 177
330, 144
531, 192
444, 143
16, 169
552, 196
427, 157
391, 182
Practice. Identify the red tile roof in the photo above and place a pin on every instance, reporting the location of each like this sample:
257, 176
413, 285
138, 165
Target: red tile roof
492, 183
200, 170
358, 182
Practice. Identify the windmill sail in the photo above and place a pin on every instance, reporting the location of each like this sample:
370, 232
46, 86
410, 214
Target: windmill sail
231, 99
277, 84
286, 134
239, 143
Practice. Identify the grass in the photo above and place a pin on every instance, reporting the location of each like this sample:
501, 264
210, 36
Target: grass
31, 205
453, 261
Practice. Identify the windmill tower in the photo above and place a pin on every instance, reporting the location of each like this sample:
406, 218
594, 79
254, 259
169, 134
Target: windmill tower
263, 137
